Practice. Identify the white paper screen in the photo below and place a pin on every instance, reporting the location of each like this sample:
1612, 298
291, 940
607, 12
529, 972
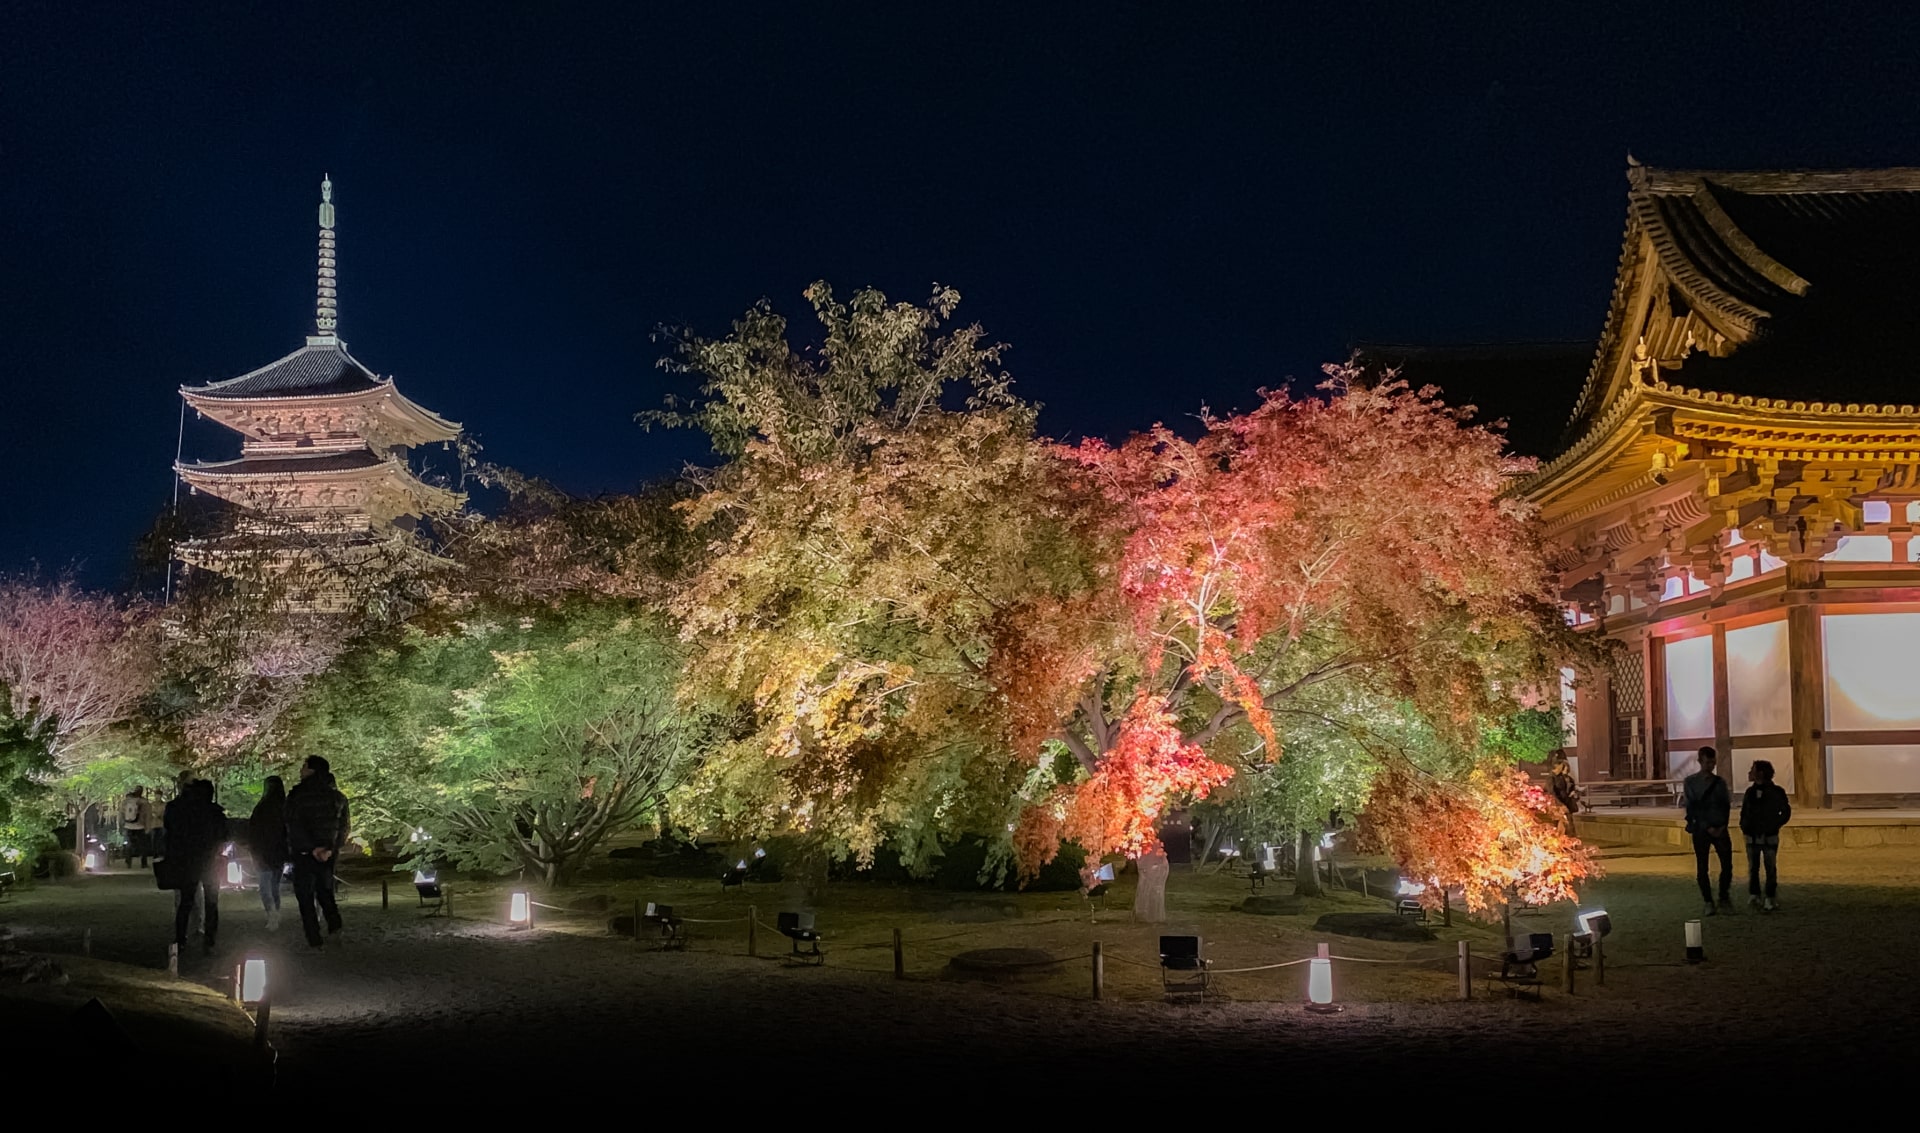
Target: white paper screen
1888, 769
1758, 701
1780, 757
1690, 688
1873, 671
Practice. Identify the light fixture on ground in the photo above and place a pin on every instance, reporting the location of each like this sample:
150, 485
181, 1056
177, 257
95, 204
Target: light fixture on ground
1594, 926
234, 877
520, 910
1320, 984
1696, 949
92, 861
253, 981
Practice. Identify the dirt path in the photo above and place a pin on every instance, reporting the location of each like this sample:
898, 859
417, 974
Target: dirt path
1826, 985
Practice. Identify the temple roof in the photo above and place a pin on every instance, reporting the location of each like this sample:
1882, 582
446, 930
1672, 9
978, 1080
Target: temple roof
1794, 284
350, 460
316, 370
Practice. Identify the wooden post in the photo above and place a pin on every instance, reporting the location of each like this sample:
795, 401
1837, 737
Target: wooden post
1099, 969
1364, 891
383, 894
899, 958
86, 943
1566, 967
1599, 961
1446, 908
260, 1024
753, 918
1806, 690
636, 923
1466, 972
173, 959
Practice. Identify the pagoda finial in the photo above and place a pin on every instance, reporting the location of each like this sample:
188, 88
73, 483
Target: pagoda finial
326, 306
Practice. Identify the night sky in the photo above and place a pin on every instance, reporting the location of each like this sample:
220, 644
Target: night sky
1155, 208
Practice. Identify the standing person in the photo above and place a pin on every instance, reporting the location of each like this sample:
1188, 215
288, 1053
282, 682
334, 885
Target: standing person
196, 829
1764, 809
267, 837
136, 816
1709, 809
316, 829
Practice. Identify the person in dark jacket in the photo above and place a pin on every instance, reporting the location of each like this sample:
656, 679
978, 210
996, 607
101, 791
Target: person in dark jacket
316, 829
196, 829
1709, 810
267, 837
1764, 809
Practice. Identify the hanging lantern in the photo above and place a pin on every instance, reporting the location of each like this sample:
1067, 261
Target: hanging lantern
1696, 951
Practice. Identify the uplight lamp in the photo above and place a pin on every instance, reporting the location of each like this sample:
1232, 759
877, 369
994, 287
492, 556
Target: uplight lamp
1320, 986
1696, 948
253, 981
93, 861
520, 911
233, 873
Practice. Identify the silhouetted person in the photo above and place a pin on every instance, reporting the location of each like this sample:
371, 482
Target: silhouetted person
196, 829
1764, 809
1709, 809
316, 829
267, 838
136, 818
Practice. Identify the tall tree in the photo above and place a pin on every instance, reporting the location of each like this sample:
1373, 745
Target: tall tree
1356, 545
884, 509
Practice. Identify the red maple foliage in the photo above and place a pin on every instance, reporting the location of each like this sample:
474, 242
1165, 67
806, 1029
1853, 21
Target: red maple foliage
1363, 536
1493, 837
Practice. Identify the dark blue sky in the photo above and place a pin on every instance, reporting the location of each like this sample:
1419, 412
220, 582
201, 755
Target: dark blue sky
1155, 208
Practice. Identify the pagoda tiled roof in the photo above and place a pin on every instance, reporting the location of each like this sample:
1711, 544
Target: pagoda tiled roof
314, 370
1809, 275
350, 460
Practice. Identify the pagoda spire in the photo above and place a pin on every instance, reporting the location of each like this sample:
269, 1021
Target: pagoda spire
326, 308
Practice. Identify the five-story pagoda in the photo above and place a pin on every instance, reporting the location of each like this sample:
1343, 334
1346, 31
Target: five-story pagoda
326, 494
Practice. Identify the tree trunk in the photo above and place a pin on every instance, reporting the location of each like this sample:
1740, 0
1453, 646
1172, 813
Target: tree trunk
1150, 898
1306, 871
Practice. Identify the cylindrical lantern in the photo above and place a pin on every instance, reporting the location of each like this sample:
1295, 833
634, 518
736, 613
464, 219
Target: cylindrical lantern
1696, 951
253, 980
233, 872
520, 913
1320, 986
93, 861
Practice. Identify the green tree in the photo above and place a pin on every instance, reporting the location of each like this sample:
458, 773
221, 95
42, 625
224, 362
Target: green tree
513, 742
883, 509
26, 766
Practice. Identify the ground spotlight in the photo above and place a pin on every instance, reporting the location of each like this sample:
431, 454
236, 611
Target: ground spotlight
520, 911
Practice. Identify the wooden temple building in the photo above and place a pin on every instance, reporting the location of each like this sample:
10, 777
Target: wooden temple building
322, 482
1736, 496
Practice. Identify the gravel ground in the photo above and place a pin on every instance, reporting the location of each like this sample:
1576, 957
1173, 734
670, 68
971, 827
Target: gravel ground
1826, 986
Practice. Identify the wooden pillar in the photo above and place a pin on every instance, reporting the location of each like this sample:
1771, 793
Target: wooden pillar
1654, 650
1807, 689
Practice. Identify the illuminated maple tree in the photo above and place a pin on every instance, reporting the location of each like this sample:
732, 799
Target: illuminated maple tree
1351, 547
1493, 837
